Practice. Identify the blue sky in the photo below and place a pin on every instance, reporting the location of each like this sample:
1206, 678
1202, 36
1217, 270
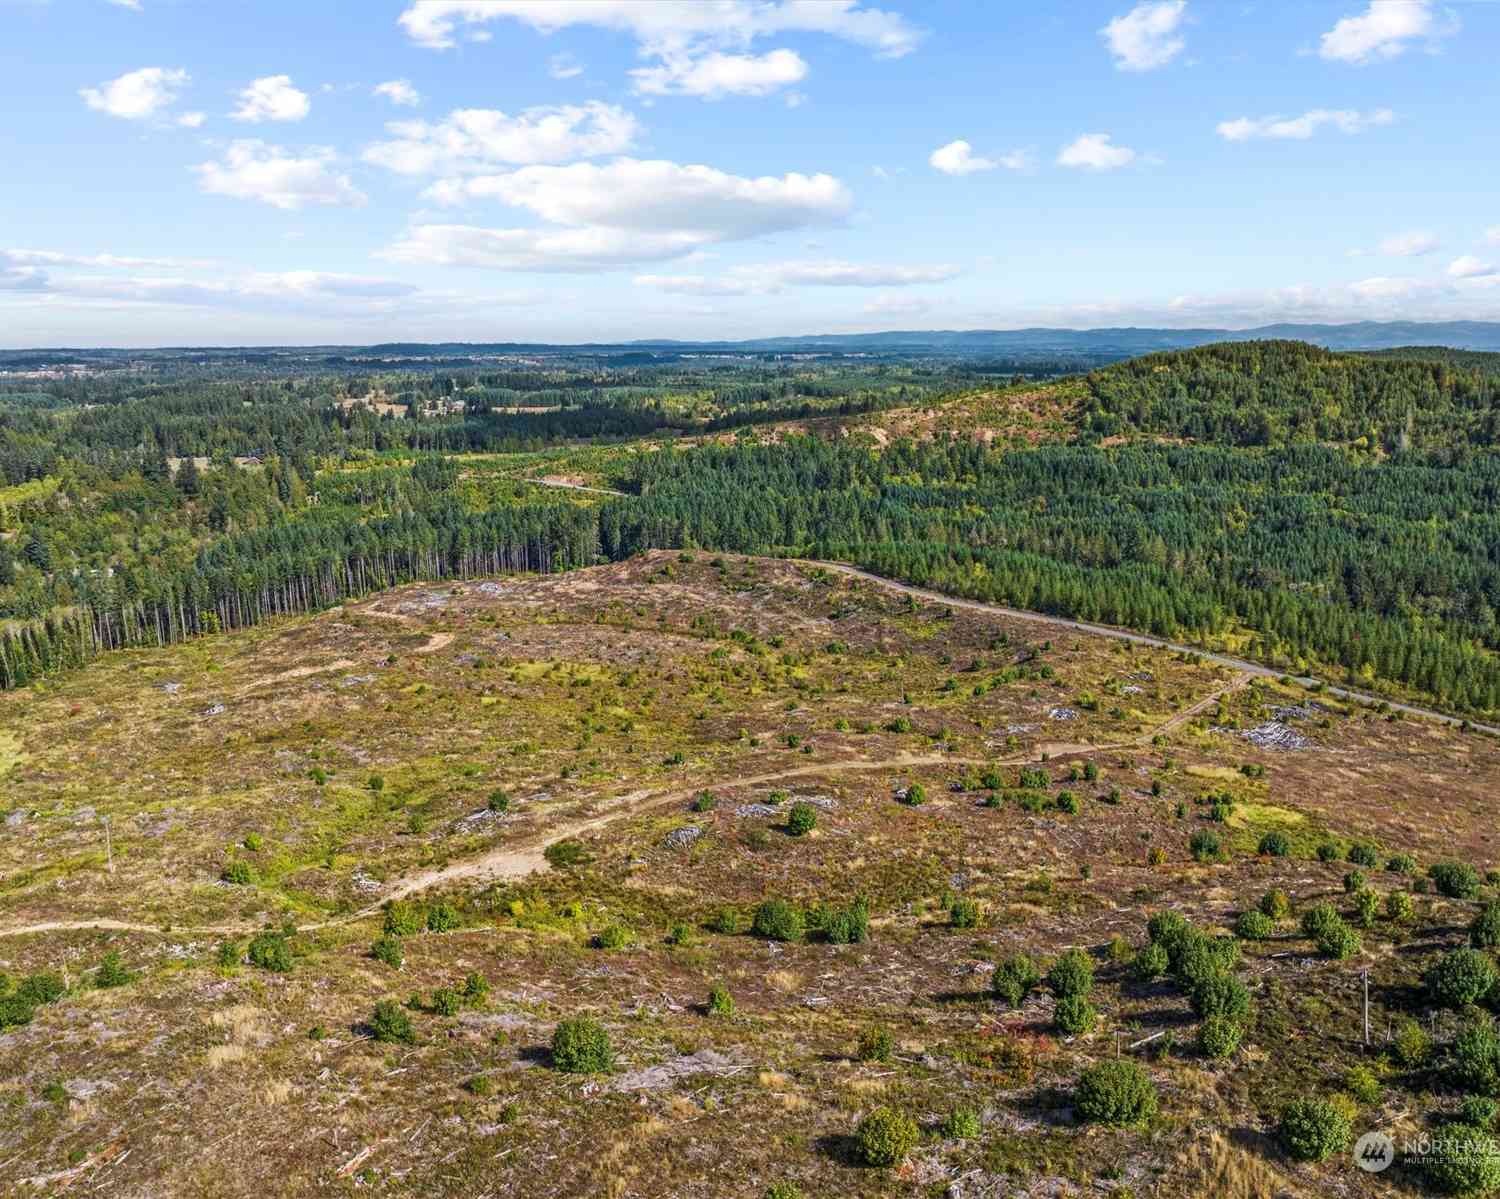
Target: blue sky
185, 171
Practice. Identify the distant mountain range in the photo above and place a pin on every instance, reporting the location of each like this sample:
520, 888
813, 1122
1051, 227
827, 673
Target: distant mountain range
1088, 345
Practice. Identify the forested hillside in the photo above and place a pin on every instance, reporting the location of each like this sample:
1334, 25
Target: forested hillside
1307, 508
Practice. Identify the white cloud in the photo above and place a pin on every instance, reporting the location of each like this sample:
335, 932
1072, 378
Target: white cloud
669, 28
958, 158
771, 278
137, 95
1409, 245
132, 5
1147, 36
716, 75
1345, 120
1469, 267
625, 212
1383, 287
896, 306
192, 120
272, 98
399, 92
475, 139
1383, 31
1095, 152
564, 66
254, 170
103, 261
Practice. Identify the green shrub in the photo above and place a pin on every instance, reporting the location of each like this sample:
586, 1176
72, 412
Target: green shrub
1361, 1083
1402, 863
41, 988
1074, 1015
885, 1137
387, 950
1459, 978
1456, 880
1071, 974
961, 1124
1328, 852
847, 926
1411, 1046
704, 801
875, 1044
1462, 1161
1476, 1058
580, 1045
1340, 942
1200, 956
443, 918
1276, 904
228, 955
476, 990
480, 1086
1354, 882
1219, 1036
778, 920
446, 1001
404, 918
1220, 995
720, 1001
913, 796
1254, 925
1477, 1111
613, 936
1204, 845
1014, 979
726, 921
271, 951
801, 819
239, 872
1117, 1091
1150, 962
1363, 854
1312, 1130
1484, 933
963, 913
1398, 906
1366, 907
1275, 845
1067, 802
680, 934
499, 800
784, 1190
391, 1023
562, 854
112, 972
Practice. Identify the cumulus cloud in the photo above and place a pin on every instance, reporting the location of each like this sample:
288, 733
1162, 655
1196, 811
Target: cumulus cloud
627, 211
770, 278
1383, 31
958, 158
1409, 245
1345, 120
1147, 36
399, 92
253, 170
477, 139
272, 98
138, 95
1095, 152
1470, 267
716, 75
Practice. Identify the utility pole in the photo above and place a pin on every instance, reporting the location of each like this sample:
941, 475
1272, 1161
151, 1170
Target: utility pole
109, 848
1365, 976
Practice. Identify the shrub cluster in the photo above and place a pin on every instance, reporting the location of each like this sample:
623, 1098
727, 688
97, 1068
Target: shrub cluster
1117, 1091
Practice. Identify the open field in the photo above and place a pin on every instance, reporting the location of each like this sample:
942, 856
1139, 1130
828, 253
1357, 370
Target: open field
524, 756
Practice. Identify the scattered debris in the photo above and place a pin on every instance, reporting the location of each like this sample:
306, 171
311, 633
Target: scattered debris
656, 1078
681, 838
171, 688
214, 710
1063, 714
756, 809
1273, 735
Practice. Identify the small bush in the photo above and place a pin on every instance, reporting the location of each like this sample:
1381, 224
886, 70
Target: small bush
1117, 1092
1275, 845
801, 819
1150, 962
1220, 995
404, 919
1167, 929
1363, 1086
480, 1086
1398, 907
1456, 880
1363, 854
1463, 1161
613, 936
239, 872
1411, 1046
271, 951
562, 854
704, 801
1071, 974
1254, 925
720, 1001
1312, 1130
443, 918
1067, 802
1340, 942
499, 800
476, 990
961, 1124
963, 913
447, 1002
1204, 845
112, 972
391, 1023
1074, 1015
1459, 978
725, 921
228, 955
885, 1137
1354, 882
1476, 1058
1328, 852
1478, 1112
1402, 863
777, 920
914, 796
1014, 979
680, 934
1366, 908
784, 1190
580, 1045
1484, 933
847, 926
387, 950
874, 1045
1219, 1036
